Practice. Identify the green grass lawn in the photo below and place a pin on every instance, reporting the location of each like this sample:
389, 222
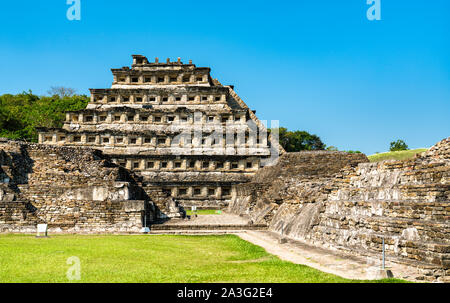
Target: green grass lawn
398, 155
205, 212
148, 258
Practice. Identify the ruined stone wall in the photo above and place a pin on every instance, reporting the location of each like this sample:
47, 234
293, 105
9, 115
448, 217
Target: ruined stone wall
70, 189
352, 209
297, 178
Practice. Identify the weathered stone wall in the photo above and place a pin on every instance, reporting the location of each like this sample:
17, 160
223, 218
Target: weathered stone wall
297, 178
70, 189
354, 208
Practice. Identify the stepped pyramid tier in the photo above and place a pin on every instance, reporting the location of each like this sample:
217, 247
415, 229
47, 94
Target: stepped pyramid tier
181, 131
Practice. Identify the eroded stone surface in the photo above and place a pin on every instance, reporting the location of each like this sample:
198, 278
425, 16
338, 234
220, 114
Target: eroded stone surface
353, 207
70, 189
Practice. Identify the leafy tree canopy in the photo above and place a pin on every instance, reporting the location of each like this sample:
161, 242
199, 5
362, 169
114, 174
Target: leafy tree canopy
20, 114
294, 141
398, 145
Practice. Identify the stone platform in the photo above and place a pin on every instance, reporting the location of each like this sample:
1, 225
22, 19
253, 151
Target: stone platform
208, 223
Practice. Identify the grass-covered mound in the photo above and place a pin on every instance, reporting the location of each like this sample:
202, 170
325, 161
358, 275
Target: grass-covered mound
149, 258
397, 155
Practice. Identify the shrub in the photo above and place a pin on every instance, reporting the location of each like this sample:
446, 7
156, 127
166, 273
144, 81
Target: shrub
398, 145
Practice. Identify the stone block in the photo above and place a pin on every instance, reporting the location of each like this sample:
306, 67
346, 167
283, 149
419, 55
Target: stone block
133, 206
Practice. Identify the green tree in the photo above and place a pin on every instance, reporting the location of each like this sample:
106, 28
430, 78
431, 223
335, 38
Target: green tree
21, 114
398, 145
294, 141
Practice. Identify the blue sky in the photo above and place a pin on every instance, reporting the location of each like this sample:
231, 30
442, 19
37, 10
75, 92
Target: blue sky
318, 66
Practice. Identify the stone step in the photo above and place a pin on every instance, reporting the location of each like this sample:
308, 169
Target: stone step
398, 220
426, 251
390, 257
194, 232
210, 227
395, 202
410, 222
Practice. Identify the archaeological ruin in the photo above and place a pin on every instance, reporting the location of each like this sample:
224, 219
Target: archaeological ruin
182, 137
167, 136
340, 201
183, 133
